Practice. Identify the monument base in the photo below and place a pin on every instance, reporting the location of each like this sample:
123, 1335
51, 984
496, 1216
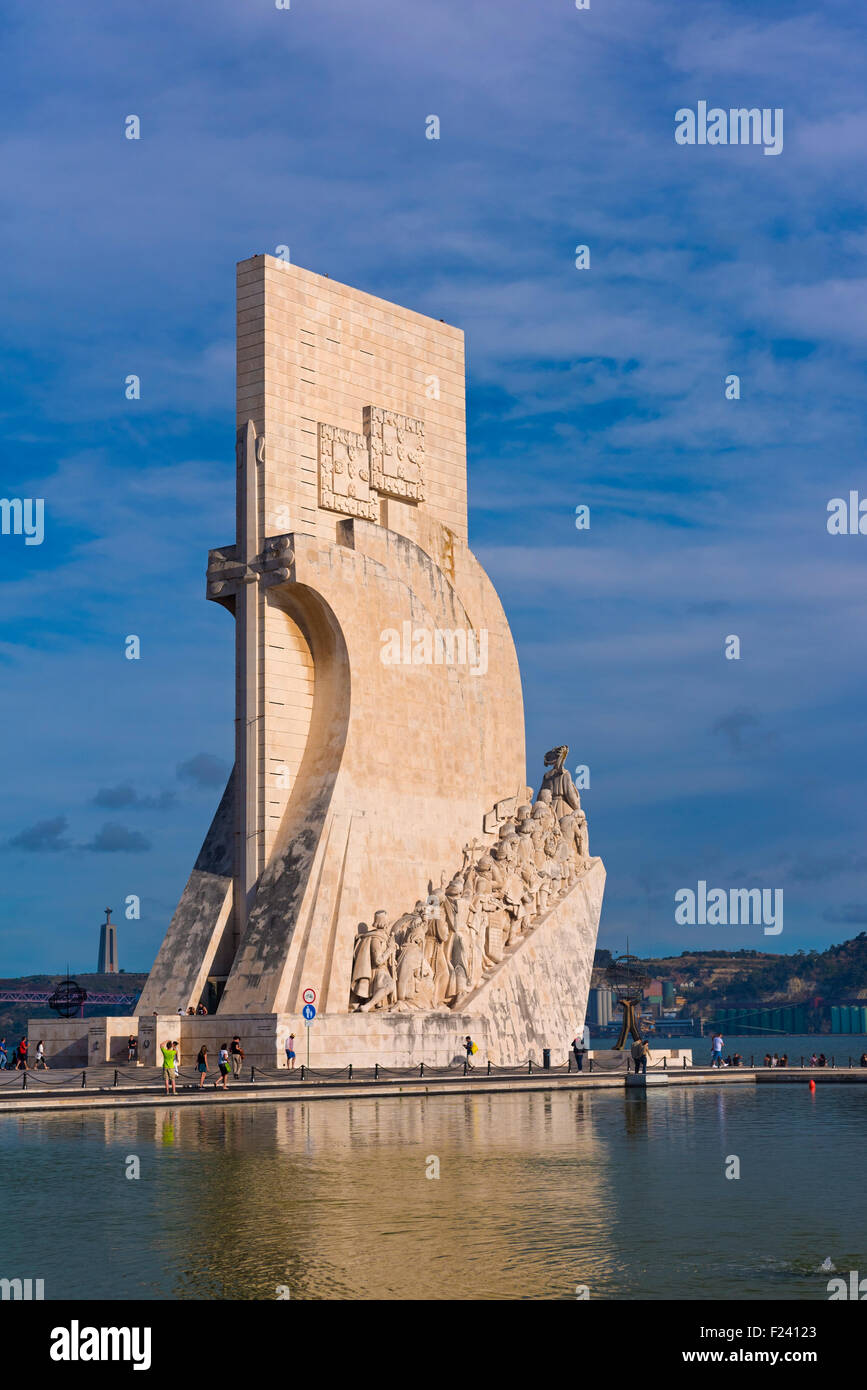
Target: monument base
536, 998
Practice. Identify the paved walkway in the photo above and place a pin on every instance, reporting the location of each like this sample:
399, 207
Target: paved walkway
62, 1089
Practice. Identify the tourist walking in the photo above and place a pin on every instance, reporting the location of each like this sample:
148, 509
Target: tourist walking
469, 1049
578, 1049
168, 1051
21, 1055
223, 1064
202, 1065
290, 1052
716, 1050
132, 1048
41, 1064
237, 1056
4, 1055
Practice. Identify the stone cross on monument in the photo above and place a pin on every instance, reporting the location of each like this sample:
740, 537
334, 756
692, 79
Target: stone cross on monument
236, 576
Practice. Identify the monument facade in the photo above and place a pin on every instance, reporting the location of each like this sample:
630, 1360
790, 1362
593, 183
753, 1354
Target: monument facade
377, 842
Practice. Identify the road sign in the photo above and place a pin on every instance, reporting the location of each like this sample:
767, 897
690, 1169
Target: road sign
309, 996
309, 1013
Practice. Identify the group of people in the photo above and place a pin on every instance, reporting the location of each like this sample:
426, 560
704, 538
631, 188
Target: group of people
436, 955
20, 1055
229, 1058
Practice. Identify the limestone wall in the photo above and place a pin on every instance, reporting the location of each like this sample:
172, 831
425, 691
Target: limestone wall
66, 1040
403, 759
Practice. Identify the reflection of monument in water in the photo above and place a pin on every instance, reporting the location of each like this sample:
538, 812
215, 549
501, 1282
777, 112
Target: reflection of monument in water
377, 841
334, 1200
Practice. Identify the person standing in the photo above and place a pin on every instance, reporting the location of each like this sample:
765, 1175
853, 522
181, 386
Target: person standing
290, 1052
177, 1046
237, 1056
132, 1048
640, 1054
202, 1064
223, 1064
21, 1055
41, 1063
4, 1055
168, 1051
578, 1049
716, 1050
469, 1049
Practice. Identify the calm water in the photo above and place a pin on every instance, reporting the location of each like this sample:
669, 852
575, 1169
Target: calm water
537, 1193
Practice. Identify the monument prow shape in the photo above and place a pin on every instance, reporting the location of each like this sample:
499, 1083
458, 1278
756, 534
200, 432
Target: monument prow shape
370, 844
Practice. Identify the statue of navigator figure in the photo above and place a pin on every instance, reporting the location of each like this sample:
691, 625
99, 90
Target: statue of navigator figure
563, 794
372, 972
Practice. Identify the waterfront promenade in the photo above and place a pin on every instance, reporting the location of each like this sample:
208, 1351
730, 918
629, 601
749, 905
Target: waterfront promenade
107, 1086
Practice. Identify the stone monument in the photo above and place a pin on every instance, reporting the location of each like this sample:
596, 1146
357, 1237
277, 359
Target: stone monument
377, 842
106, 961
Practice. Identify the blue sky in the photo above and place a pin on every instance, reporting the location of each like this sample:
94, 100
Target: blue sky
306, 127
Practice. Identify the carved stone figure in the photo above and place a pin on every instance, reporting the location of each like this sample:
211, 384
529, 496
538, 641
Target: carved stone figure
383, 948
554, 868
558, 781
412, 967
573, 828
436, 949
455, 908
526, 860
362, 965
544, 809
509, 887
462, 954
484, 906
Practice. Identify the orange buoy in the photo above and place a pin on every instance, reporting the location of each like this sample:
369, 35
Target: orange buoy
812, 1085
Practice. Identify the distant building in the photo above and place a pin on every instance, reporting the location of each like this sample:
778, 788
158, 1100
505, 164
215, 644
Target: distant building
107, 960
599, 1007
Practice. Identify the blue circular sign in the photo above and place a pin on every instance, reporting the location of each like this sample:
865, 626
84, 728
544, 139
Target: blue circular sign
309, 1012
